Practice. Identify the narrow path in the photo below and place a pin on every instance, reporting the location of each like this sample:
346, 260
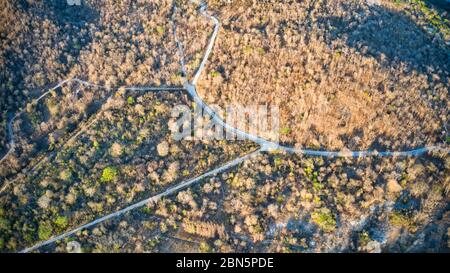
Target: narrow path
147, 201
269, 145
10, 130
190, 88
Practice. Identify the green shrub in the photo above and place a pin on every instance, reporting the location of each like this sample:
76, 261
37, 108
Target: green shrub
317, 185
205, 248
4, 224
161, 30
96, 145
285, 131
363, 238
324, 219
147, 210
109, 174
277, 161
61, 222
400, 220
44, 231
261, 51
247, 49
214, 74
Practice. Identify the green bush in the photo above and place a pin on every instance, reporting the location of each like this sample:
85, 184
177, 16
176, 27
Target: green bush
364, 238
214, 74
400, 220
45, 231
277, 161
4, 224
285, 131
161, 30
109, 174
205, 248
131, 100
61, 222
324, 219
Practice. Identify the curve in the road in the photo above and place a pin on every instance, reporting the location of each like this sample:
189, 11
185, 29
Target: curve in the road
269, 145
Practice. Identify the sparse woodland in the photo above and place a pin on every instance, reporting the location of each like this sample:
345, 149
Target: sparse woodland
127, 154
346, 75
103, 42
286, 203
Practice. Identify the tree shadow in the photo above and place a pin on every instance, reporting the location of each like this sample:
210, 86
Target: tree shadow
442, 4
72, 24
401, 46
61, 13
392, 38
71, 20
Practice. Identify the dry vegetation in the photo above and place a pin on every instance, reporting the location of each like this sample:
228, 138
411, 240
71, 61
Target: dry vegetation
193, 31
344, 73
103, 42
47, 124
287, 203
126, 155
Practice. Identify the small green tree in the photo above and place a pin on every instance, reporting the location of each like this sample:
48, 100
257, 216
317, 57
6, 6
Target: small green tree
109, 174
44, 231
61, 222
205, 247
161, 30
324, 219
